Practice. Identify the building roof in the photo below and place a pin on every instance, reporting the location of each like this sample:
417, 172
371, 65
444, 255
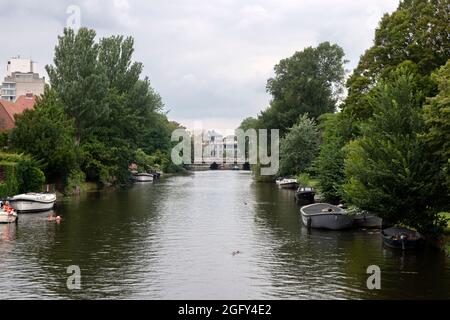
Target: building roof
26, 102
9, 109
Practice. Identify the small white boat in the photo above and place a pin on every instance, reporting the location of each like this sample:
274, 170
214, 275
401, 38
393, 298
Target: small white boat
8, 216
142, 177
33, 202
325, 216
288, 184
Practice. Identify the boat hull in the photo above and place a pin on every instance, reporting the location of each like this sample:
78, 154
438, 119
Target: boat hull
413, 240
7, 218
305, 198
288, 185
33, 202
313, 217
368, 221
31, 206
143, 178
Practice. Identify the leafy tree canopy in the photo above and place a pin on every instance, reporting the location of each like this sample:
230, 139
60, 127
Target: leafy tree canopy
418, 31
308, 82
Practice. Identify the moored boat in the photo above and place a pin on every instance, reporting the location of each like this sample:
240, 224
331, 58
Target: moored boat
365, 219
33, 202
401, 238
305, 195
7, 215
325, 216
142, 177
288, 184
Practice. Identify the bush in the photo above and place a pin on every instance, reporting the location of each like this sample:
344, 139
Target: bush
21, 174
74, 182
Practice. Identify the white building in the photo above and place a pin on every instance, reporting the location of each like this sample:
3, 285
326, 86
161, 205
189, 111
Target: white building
218, 149
20, 65
21, 79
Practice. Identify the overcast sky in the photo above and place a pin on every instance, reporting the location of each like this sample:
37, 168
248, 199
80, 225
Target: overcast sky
209, 59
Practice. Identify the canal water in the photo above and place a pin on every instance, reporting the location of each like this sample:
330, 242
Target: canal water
175, 239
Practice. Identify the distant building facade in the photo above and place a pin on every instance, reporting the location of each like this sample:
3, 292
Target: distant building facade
21, 79
218, 149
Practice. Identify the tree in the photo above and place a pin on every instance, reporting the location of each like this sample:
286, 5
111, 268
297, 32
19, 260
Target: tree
308, 82
437, 114
299, 148
249, 123
79, 79
115, 55
418, 31
46, 133
389, 169
337, 130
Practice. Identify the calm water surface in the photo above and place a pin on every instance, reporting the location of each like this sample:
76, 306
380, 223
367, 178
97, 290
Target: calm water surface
174, 239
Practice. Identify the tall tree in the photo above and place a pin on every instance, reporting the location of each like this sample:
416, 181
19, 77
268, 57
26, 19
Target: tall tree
389, 169
418, 31
115, 55
308, 82
299, 148
437, 113
79, 79
337, 130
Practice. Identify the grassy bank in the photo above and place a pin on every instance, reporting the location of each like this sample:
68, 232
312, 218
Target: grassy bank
447, 234
447, 229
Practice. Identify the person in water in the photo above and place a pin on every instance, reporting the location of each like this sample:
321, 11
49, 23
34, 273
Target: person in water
52, 217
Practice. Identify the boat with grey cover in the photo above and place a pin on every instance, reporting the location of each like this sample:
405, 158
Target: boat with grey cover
325, 216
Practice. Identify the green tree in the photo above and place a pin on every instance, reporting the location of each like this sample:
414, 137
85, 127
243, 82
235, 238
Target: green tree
418, 31
46, 133
389, 169
115, 54
308, 82
299, 147
249, 123
337, 130
79, 79
437, 113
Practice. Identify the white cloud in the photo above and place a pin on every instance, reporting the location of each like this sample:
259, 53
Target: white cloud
208, 59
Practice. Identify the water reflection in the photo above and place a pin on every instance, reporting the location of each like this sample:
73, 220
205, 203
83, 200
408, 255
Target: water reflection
174, 239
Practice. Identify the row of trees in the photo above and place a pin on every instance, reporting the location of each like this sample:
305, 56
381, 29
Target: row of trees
387, 148
96, 117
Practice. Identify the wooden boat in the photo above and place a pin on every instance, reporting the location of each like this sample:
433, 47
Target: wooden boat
401, 238
288, 184
142, 177
305, 195
33, 202
7, 216
325, 216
